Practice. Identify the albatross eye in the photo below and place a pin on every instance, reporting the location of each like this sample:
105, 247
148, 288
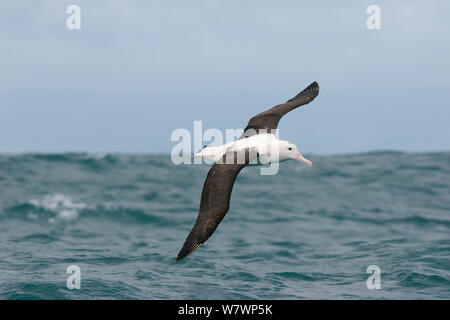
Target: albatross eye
290, 148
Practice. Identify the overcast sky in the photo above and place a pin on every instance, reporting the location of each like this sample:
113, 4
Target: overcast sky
137, 70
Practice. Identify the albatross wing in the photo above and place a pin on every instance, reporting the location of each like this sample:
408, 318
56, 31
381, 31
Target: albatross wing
215, 200
269, 119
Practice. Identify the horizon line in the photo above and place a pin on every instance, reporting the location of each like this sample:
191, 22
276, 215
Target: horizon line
146, 153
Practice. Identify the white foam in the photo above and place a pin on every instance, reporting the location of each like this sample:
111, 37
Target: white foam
62, 205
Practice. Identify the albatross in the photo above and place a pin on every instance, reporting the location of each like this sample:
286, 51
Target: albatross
257, 145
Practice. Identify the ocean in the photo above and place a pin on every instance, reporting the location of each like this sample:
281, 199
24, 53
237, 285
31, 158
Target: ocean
300, 234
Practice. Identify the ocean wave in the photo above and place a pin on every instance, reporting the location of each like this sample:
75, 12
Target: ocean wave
63, 206
303, 233
59, 208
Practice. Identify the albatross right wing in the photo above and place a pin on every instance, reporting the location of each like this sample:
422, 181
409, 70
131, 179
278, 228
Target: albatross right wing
215, 200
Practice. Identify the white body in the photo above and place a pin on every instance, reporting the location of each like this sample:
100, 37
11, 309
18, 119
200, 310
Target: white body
269, 149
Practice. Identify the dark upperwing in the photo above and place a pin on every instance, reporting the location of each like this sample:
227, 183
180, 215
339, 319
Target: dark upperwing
267, 121
215, 200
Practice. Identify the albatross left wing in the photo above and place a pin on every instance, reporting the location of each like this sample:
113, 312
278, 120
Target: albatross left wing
268, 120
215, 200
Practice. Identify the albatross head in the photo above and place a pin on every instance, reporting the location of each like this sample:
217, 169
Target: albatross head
289, 150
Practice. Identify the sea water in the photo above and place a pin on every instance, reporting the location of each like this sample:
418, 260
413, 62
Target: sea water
300, 234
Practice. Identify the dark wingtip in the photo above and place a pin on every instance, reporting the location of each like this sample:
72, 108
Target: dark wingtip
188, 248
310, 92
180, 256
314, 87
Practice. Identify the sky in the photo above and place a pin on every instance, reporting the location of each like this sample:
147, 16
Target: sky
138, 70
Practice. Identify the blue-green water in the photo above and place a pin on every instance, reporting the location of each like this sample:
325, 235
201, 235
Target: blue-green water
301, 234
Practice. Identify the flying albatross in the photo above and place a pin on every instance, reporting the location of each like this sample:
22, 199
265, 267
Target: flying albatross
257, 143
